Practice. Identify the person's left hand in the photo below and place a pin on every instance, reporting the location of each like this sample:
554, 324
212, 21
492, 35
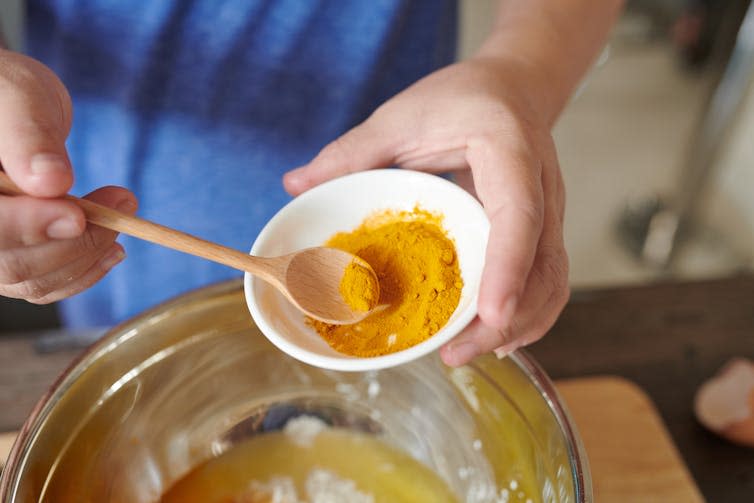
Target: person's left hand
476, 118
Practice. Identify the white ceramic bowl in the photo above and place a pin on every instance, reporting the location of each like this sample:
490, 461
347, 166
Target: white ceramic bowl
341, 205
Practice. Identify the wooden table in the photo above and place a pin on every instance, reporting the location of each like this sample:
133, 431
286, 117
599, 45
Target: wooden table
667, 338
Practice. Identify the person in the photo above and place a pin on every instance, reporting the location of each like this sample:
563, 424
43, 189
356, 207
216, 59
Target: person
200, 107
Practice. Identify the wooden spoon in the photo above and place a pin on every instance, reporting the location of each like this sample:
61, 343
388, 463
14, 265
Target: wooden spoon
309, 278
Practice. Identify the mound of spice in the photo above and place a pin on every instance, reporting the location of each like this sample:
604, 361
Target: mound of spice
359, 287
419, 282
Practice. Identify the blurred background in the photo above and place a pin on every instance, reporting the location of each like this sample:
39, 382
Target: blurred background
631, 144
654, 191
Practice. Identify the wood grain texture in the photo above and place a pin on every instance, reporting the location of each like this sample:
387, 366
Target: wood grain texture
26, 375
631, 454
6, 442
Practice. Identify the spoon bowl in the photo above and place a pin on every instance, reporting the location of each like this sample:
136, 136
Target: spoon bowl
313, 278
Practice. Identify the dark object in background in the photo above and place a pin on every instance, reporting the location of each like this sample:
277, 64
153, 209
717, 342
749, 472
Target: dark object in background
705, 31
702, 31
19, 315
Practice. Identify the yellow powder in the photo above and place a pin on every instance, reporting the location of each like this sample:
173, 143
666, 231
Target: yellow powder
359, 287
419, 281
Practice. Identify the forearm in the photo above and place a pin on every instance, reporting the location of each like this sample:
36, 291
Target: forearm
554, 42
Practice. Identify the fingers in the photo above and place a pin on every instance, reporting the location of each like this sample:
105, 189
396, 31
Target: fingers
27, 221
56, 269
544, 298
476, 339
367, 146
47, 251
114, 255
545, 285
35, 115
507, 181
29, 262
70, 279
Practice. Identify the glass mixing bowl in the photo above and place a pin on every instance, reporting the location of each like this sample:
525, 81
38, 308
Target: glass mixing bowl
186, 381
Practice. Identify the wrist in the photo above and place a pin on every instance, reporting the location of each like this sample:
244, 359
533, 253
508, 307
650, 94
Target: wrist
537, 94
553, 44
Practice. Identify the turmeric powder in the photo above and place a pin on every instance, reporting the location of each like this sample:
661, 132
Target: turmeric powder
359, 287
419, 282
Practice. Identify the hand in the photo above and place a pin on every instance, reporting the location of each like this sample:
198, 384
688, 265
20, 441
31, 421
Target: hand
475, 118
47, 251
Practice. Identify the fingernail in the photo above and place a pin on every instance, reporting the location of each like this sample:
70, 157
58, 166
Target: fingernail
126, 206
463, 352
63, 228
48, 163
113, 258
501, 353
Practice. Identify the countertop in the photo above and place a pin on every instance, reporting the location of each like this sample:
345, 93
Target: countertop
665, 337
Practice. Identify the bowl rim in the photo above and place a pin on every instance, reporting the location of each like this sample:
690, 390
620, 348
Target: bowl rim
580, 470
345, 362
580, 473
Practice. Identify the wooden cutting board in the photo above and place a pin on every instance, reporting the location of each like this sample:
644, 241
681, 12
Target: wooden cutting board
631, 454
6, 442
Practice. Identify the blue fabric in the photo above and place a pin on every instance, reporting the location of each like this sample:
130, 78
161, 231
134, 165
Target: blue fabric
199, 107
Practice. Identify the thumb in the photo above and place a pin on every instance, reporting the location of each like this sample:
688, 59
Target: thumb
35, 116
367, 146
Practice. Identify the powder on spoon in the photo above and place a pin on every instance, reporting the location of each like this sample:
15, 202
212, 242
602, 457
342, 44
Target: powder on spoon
359, 287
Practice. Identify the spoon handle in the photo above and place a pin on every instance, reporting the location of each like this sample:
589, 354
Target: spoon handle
162, 235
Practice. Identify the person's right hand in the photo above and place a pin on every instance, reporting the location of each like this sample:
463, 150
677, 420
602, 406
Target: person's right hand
47, 250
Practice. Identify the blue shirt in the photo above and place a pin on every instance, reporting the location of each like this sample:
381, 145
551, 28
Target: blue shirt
200, 106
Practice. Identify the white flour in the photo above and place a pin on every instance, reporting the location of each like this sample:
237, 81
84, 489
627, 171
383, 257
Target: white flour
302, 430
322, 486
